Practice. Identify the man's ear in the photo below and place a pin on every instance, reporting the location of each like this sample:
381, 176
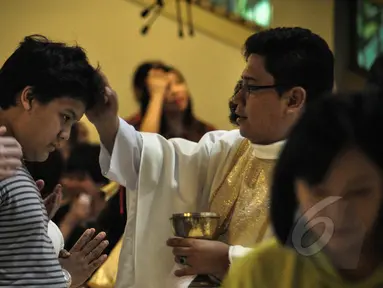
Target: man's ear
26, 98
296, 99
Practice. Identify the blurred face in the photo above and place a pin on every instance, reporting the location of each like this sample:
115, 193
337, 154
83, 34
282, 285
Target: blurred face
83, 133
78, 183
264, 115
178, 98
41, 128
357, 184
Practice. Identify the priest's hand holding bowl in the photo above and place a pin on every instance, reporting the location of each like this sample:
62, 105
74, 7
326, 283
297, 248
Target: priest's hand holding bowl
201, 256
195, 248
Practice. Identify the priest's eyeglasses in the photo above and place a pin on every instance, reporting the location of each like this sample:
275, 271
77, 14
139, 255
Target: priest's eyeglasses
248, 89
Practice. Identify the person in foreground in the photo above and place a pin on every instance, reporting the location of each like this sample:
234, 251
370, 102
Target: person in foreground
45, 88
227, 172
330, 171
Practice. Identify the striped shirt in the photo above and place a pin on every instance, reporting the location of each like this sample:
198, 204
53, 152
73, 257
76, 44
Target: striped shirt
27, 256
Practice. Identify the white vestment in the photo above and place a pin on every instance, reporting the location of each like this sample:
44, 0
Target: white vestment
174, 176
56, 237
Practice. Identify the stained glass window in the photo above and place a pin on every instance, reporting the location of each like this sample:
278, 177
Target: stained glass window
369, 26
256, 11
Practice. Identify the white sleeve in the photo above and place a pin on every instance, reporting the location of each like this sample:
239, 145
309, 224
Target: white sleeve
148, 162
238, 251
180, 166
126, 157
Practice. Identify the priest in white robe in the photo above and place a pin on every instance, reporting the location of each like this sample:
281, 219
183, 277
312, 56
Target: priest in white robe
227, 172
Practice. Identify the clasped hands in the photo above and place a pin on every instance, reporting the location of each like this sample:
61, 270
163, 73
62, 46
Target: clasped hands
202, 256
86, 255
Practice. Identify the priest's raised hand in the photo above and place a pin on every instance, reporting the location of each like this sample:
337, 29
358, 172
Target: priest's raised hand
104, 116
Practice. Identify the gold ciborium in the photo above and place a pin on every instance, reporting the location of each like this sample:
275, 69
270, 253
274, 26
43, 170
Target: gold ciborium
201, 226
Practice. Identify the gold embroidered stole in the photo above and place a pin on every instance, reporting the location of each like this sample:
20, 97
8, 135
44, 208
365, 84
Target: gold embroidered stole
242, 200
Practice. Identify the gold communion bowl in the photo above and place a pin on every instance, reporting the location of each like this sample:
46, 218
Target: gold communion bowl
195, 225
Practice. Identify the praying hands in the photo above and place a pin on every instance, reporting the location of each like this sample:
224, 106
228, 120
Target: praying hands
52, 201
85, 256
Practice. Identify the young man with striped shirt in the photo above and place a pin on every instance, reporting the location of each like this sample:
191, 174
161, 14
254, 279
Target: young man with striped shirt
45, 88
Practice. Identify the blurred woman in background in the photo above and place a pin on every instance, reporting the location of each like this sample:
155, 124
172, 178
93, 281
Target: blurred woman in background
165, 103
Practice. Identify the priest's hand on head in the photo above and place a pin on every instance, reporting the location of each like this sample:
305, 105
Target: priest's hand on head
85, 256
10, 154
104, 117
104, 112
202, 256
